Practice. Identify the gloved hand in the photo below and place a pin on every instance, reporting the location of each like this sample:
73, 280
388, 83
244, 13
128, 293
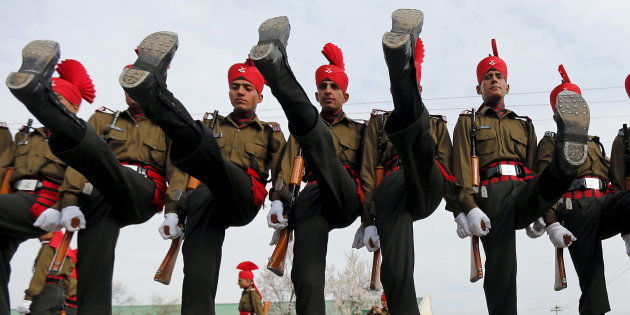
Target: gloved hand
358, 237
370, 238
626, 239
69, 213
276, 237
171, 220
462, 225
277, 209
25, 306
49, 220
537, 229
556, 234
475, 216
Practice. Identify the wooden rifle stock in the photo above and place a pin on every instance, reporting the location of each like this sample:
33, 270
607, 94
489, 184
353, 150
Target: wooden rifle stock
165, 271
476, 267
266, 306
375, 279
279, 255
62, 251
474, 167
561, 274
5, 188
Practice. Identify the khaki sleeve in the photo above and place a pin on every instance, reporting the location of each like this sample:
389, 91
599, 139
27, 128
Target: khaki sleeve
6, 140
40, 270
546, 146
277, 146
70, 282
177, 182
7, 157
291, 149
461, 163
257, 302
532, 148
617, 169
444, 155
369, 160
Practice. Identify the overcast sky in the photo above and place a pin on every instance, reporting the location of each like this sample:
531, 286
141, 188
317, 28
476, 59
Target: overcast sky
591, 39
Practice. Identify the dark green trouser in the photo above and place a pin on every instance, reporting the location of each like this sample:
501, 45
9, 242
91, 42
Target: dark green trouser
591, 220
16, 226
406, 195
224, 200
49, 301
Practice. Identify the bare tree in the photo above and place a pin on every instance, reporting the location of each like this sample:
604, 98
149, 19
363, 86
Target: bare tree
163, 305
121, 296
279, 290
350, 286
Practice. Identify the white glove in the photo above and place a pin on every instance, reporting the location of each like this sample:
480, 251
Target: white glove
171, 220
49, 220
371, 238
462, 225
25, 306
556, 234
475, 216
537, 229
69, 213
358, 237
276, 237
277, 209
626, 239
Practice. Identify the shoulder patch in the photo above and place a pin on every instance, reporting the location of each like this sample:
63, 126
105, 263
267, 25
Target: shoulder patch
550, 134
105, 110
523, 118
274, 126
376, 112
4, 125
466, 112
439, 117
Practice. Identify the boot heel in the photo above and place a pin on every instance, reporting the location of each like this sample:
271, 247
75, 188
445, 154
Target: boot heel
131, 78
393, 40
17, 80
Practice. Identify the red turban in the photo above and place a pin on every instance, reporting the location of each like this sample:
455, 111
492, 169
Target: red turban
418, 58
246, 268
565, 86
73, 83
335, 71
492, 62
628, 85
249, 72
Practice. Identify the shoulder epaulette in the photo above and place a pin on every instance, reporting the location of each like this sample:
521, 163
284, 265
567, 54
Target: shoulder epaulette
550, 134
466, 112
359, 121
274, 126
4, 125
105, 110
376, 112
439, 117
620, 133
523, 118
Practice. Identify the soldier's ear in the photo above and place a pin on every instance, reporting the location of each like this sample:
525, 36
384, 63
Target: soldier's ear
260, 98
507, 89
346, 97
478, 90
317, 97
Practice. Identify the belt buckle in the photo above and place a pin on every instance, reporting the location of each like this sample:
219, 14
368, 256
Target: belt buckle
27, 184
592, 183
507, 170
138, 169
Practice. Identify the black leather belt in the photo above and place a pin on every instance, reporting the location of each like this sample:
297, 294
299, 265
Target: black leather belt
503, 169
587, 183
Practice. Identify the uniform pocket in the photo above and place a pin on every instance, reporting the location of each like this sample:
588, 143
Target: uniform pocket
157, 150
519, 142
486, 141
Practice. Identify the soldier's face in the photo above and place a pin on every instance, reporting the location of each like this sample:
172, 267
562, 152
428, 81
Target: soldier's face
493, 87
244, 283
330, 96
71, 107
384, 303
244, 96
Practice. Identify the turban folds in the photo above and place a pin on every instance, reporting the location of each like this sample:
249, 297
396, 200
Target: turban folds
335, 71
73, 83
566, 85
418, 58
249, 72
492, 62
246, 268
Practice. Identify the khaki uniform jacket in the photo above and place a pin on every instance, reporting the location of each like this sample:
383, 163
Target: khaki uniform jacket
346, 136
618, 171
370, 156
40, 271
596, 164
258, 145
140, 142
6, 140
508, 138
30, 156
251, 301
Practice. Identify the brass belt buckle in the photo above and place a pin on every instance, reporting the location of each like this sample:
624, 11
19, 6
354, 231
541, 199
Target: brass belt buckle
27, 184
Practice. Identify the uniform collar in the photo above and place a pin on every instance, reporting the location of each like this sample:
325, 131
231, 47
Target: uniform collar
489, 111
231, 121
342, 118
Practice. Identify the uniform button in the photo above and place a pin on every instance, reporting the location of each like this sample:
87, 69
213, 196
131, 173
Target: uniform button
235, 147
237, 130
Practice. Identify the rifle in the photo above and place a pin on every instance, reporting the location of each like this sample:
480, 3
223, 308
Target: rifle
165, 270
379, 172
561, 274
5, 188
62, 251
626, 156
279, 255
266, 306
476, 268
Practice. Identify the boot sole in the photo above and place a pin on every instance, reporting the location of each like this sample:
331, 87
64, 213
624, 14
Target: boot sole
152, 50
274, 29
406, 25
573, 115
39, 58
